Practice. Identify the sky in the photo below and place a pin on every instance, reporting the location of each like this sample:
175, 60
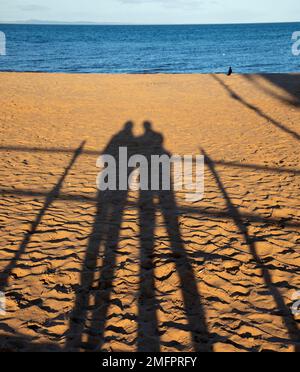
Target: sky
151, 11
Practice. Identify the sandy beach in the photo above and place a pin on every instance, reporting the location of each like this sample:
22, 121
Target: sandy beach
215, 275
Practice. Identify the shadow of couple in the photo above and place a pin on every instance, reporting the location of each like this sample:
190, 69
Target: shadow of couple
103, 242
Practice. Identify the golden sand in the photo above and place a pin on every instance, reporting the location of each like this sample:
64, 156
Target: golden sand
231, 285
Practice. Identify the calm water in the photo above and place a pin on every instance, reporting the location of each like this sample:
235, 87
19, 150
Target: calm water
150, 49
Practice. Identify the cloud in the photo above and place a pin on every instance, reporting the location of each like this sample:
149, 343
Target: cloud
169, 3
33, 8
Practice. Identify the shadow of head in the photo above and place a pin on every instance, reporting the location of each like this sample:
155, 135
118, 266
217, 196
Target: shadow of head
128, 127
147, 126
152, 138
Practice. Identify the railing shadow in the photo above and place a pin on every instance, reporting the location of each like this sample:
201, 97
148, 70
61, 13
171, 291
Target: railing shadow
50, 198
287, 317
103, 243
256, 109
289, 83
62, 150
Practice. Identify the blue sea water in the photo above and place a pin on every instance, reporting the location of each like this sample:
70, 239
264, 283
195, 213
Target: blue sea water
249, 48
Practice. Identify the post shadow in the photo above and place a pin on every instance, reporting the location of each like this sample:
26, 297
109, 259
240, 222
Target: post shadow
257, 110
103, 242
151, 143
50, 197
287, 82
284, 311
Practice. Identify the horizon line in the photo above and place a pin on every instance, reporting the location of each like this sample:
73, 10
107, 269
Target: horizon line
83, 23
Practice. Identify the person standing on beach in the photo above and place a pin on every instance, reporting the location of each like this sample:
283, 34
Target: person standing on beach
230, 71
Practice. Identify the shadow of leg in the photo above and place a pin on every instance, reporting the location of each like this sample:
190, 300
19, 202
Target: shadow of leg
192, 301
103, 290
148, 334
89, 268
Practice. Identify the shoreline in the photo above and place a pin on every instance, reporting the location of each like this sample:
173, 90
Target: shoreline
57, 23
151, 74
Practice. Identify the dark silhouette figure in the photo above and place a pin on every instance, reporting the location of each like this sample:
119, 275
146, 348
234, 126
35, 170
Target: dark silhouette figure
230, 71
50, 198
103, 242
151, 143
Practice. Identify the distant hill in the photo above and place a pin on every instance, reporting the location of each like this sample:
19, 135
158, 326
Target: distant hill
39, 22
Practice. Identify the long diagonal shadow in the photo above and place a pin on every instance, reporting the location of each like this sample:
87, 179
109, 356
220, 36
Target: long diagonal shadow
287, 317
51, 196
289, 83
212, 213
257, 110
63, 150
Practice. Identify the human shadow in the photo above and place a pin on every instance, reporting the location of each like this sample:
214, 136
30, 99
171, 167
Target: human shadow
150, 201
103, 242
89, 316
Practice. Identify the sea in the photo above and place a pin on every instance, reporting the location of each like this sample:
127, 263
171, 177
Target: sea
176, 49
